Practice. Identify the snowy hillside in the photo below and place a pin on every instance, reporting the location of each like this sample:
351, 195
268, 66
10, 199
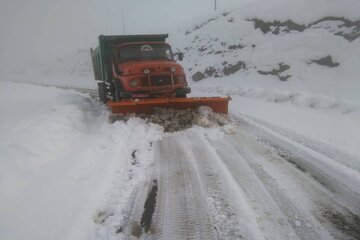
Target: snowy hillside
320, 57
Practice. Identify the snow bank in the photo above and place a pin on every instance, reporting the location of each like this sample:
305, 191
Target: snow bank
60, 160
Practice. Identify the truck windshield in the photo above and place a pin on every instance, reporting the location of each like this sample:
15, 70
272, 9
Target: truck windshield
146, 51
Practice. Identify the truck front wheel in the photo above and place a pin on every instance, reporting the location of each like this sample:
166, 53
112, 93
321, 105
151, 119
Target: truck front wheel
117, 89
181, 93
102, 92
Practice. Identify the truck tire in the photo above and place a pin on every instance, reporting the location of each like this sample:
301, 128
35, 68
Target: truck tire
181, 95
182, 92
117, 88
102, 92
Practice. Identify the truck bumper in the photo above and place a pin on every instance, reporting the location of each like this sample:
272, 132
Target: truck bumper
178, 92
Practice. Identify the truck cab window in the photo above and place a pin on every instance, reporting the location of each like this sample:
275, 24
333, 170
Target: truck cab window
148, 51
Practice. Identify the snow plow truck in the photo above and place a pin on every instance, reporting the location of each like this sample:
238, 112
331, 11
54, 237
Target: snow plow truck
137, 73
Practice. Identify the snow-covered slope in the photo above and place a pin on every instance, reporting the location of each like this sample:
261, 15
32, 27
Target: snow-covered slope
234, 50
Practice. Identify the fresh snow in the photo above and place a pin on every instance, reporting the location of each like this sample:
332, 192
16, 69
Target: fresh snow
60, 159
66, 172
209, 49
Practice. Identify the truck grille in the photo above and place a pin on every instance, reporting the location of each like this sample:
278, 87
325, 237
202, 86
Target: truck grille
157, 81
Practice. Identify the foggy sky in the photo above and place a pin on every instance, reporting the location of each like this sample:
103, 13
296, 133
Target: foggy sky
42, 30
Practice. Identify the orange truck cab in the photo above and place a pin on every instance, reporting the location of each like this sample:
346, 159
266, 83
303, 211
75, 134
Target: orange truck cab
137, 67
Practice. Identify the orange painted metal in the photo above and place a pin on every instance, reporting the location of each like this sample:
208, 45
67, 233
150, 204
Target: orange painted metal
217, 104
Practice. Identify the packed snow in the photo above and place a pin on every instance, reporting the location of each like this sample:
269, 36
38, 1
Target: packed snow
287, 157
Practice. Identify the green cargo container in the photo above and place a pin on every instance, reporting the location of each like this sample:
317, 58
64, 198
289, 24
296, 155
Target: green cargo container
102, 55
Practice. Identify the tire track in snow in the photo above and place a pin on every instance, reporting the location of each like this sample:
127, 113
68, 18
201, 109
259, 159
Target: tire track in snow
271, 200
180, 212
237, 188
343, 181
314, 200
257, 219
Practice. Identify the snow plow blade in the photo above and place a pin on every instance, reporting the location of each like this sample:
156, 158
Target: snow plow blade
217, 104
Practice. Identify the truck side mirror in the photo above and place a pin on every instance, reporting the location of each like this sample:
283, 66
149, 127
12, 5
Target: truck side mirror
180, 56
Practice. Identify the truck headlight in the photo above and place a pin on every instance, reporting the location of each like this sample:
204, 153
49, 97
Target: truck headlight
134, 83
173, 69
146, 71
181, 80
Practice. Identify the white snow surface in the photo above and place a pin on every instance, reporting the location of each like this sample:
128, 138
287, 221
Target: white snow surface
62, 163
60, 160
223, 41
63, 167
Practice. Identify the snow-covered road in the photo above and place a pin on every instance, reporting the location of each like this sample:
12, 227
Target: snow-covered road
239, 186
66, 173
